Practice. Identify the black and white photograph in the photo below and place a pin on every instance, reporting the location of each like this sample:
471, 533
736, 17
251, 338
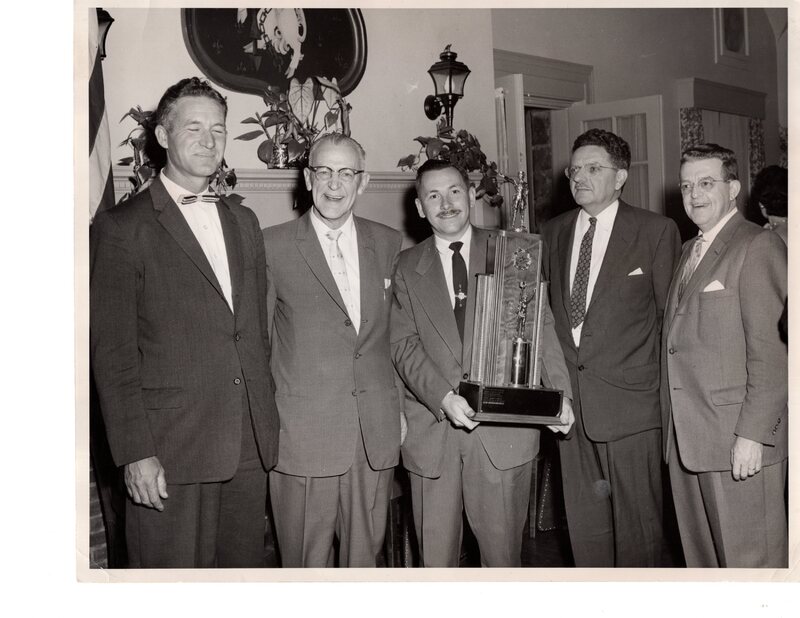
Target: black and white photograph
446, 293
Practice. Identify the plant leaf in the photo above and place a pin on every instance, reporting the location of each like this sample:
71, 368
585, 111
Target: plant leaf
301, 98
250, 120
407, 161
250, 136
434, 148
264, 151
125, 161
331, 118
330, 92
296, 149
423, 140
324, 81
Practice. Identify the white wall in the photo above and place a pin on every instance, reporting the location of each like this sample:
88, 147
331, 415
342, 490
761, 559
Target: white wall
146, 54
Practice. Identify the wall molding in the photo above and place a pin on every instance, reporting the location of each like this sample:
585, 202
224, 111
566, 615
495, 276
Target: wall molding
546, 82
719, 97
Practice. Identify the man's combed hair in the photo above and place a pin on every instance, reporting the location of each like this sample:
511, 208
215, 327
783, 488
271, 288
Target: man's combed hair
616, 147
337, 139
730, 169
771, 189
434, 165
188, 87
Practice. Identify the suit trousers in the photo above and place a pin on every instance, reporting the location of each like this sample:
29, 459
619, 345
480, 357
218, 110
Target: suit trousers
310, 511
728, 523
495, 501
613, 498
205, 525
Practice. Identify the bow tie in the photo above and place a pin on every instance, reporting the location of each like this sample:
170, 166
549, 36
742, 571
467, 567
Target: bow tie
205, 197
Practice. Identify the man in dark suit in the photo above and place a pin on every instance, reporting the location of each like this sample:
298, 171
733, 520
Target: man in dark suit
454, 464
180, 352
329, 282
724, 393
609, 266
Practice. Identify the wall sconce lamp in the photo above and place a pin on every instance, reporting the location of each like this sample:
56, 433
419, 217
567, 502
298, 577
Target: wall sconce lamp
104, 21
448, 77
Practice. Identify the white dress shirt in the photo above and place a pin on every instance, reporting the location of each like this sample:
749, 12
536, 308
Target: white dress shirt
709, 236
348, 245
602, 234
446, 258
203, 219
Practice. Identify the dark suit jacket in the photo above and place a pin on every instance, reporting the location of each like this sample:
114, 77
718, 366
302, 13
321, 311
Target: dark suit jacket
175, 368
726, 367
330, 381
431, 360
615, 371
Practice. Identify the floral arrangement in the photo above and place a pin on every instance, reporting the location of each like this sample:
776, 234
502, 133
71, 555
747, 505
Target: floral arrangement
295, 118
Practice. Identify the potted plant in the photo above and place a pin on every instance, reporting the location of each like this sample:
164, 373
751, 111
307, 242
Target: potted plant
463, 150
295, 118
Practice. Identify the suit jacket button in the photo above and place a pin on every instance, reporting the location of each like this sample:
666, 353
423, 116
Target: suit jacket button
237, 381
465, 376
357, 355
671, 350
348, 323
236, 337
580, 367
355, 393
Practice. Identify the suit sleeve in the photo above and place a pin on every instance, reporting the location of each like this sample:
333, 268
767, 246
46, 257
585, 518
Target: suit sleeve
555, 367
762, 292
270, 294
261, 279
667, 254
115, 284
415, 367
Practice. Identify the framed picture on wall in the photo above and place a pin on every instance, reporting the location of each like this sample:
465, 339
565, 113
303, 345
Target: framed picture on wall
253, 49
731, 36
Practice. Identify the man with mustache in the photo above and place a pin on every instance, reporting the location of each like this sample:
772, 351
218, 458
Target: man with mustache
609, 265
456, 465
329, 277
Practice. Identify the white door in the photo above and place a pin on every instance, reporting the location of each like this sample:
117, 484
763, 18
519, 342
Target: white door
638, 122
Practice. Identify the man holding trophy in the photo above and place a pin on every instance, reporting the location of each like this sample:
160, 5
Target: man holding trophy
455, 462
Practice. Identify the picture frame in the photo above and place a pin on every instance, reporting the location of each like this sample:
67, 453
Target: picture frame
731, 36
251, 50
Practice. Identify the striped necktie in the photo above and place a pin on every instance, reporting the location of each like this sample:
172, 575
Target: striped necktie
460, 282
204, 197
581, 283
691, 265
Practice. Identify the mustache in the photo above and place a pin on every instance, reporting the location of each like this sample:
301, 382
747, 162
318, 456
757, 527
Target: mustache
448, 212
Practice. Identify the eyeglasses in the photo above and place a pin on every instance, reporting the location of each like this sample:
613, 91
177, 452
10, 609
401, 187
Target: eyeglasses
593, 169
345, 175
704, 184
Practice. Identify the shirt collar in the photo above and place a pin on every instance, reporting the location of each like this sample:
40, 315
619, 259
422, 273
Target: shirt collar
443, 245
321, 228
712, 233
175, 190
605, 219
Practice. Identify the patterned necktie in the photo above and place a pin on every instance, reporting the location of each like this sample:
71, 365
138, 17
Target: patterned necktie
459, 287
581, 282
339, 271
691, 265
205, 197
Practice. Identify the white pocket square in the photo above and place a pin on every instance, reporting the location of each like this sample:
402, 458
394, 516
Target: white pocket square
387, 283
714, 286
638, 271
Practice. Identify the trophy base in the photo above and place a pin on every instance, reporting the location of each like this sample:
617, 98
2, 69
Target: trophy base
512, 404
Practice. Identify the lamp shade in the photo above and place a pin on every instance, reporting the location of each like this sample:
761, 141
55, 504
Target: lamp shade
449, 75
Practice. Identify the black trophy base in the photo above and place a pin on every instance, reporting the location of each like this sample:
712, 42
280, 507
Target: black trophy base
512, 404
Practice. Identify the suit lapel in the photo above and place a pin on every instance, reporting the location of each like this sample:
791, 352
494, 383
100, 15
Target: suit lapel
369, 278
173, 221
619, 245
233, 248
431, 288
310, 249
565, 240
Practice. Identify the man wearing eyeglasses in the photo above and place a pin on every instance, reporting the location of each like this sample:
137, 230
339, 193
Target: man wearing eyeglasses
329, 279
724, 392
609, 266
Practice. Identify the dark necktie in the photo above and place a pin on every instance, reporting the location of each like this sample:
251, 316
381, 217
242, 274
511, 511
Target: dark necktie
205, 197
581, 282
459, 287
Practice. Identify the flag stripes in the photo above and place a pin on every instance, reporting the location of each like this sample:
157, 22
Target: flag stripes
101, 181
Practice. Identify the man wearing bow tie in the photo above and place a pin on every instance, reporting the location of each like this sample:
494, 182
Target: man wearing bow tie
180, 353
724, 392
609, 266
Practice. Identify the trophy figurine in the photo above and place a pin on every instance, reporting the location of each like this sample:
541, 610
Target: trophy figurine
505, 380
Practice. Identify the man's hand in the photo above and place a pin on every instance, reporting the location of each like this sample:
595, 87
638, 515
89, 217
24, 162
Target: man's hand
458, 412
745, 458
567, 417
146, 482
